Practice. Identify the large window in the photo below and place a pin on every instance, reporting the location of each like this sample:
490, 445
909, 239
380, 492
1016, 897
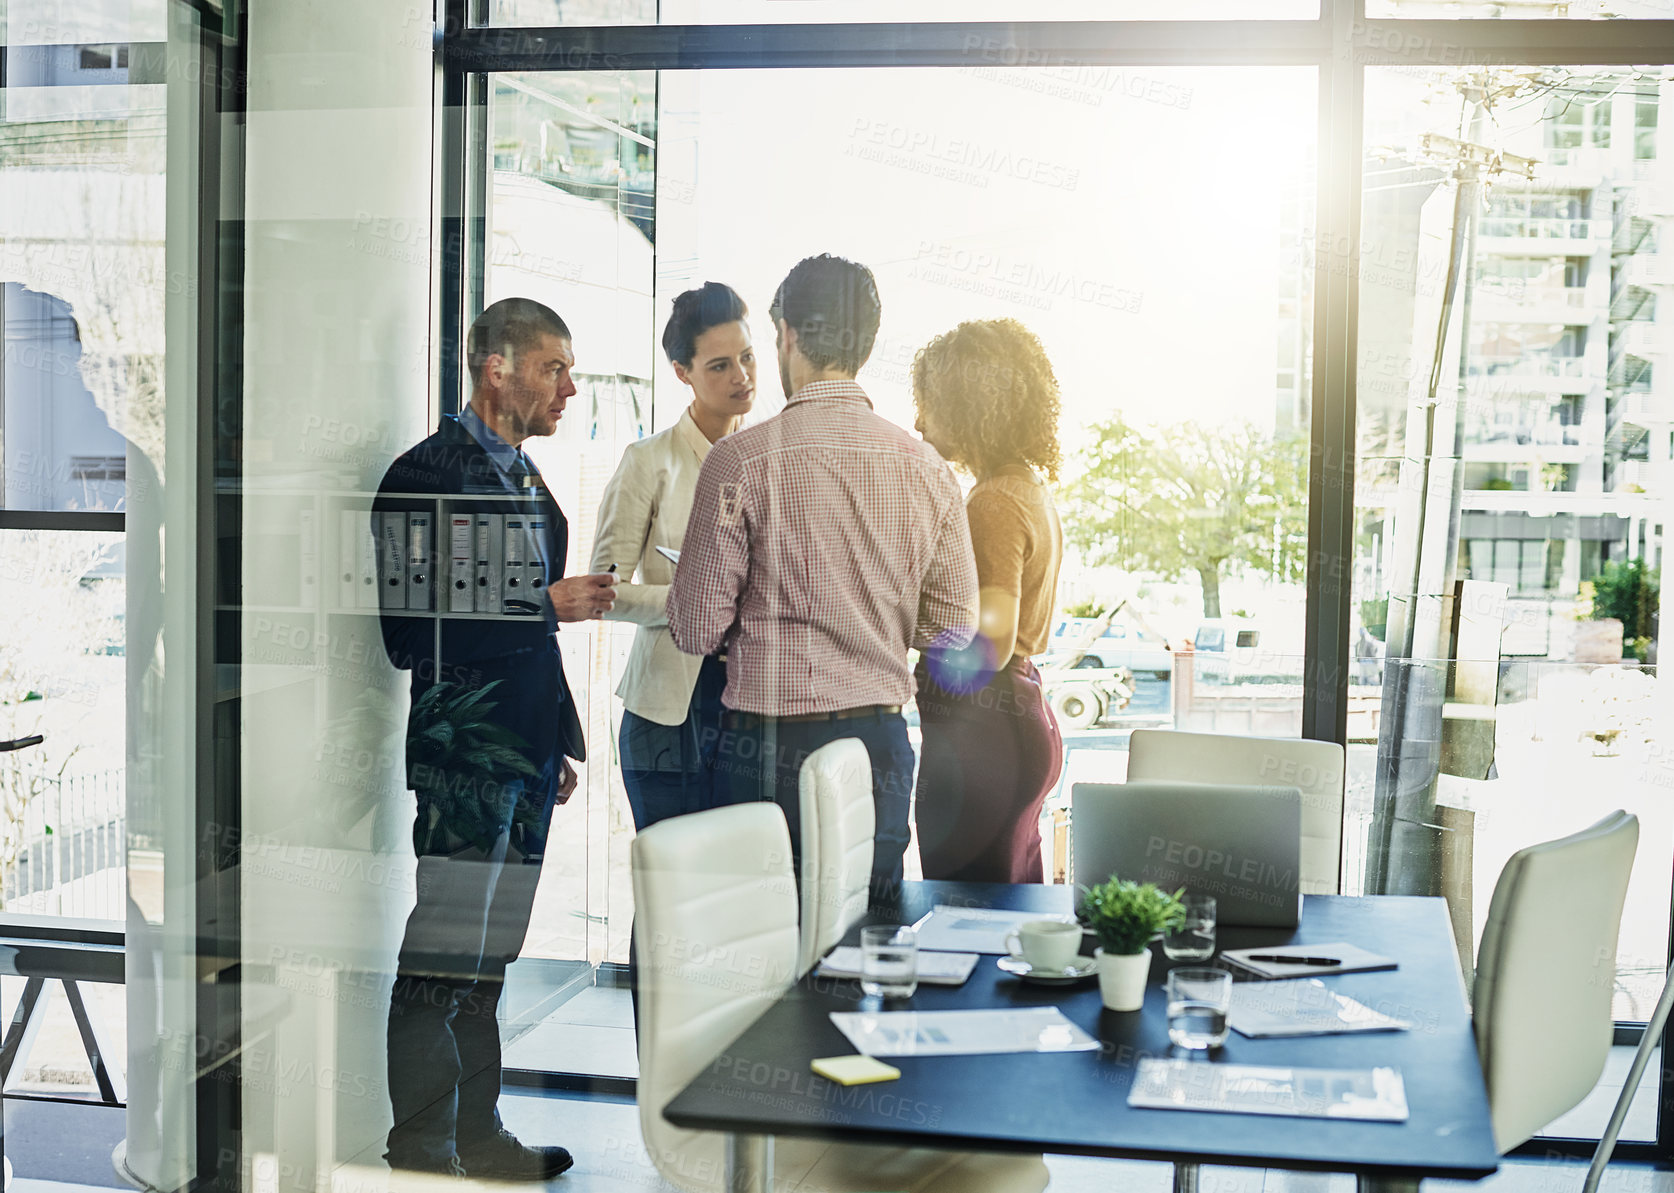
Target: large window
738, 12
985, 204
1367, 425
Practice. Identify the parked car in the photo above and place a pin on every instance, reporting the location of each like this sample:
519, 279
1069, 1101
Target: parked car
1237, 649
1120, 645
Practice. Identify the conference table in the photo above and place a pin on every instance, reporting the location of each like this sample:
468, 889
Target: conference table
760, 1085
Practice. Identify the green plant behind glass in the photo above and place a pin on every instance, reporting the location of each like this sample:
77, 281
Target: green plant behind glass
1126, 915
463, 767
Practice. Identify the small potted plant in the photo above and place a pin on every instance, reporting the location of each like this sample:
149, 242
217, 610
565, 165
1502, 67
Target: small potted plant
465, 769
1125, 916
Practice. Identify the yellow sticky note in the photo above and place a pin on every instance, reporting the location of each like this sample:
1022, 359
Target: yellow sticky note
854, 1070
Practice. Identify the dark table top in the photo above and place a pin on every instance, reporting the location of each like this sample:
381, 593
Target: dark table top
1076, 1102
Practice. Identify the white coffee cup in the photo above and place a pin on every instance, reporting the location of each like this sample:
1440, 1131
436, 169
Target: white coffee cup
1050, 945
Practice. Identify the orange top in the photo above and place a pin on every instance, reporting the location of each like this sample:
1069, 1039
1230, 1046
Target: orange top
1019, 547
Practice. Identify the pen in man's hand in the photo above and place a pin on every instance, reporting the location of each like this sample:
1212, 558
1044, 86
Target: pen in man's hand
1288, 959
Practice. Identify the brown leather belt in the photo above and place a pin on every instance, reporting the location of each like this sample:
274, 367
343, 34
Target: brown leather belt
751, 720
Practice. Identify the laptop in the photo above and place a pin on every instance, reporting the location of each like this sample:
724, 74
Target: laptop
1242, 845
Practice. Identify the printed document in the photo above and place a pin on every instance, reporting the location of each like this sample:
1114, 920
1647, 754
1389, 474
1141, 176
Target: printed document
1373, 1095
962, 1033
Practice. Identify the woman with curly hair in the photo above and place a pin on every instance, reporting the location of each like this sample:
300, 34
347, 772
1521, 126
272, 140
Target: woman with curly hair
988, 401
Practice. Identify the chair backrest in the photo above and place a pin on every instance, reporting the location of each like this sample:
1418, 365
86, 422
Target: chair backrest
1313, 767
837, 824
715, 932
1546, 974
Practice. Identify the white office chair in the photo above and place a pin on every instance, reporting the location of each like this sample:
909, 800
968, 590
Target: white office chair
716, 933
1545, 974
837, 824
1313, 767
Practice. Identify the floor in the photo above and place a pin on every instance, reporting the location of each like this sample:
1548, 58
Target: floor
591, 1033
66, 1149
609, 1159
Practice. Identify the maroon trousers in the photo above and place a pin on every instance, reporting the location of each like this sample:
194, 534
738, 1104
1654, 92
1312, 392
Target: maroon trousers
989, 759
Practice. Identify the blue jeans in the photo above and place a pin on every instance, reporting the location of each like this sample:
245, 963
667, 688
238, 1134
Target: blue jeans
669, 770
763, 761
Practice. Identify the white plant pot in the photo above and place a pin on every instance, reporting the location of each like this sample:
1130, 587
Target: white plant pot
1122, 979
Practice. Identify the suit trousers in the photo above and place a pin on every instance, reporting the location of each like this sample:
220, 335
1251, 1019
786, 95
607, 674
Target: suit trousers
467, 924
763, 761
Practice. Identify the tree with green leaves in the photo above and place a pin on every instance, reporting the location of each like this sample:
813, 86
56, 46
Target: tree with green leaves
1629, 592
1190, 498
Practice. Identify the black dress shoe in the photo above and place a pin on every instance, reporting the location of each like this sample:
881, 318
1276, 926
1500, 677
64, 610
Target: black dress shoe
502, 1156
419, 1163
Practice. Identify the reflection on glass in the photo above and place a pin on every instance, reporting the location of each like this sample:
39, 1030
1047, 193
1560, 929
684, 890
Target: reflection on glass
81, 246
1515, 480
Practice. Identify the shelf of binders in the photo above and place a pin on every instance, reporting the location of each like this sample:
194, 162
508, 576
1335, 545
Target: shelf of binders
448, 557
470, 556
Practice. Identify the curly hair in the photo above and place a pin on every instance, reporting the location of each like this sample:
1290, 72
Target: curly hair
990, 389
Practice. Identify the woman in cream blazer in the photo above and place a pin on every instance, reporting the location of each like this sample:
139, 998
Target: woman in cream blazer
671, 720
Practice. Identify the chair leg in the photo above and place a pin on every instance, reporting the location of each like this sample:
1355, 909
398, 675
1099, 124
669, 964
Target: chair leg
1653, 1034
1386, 1184
26, 1022
100, 1056
749, 1163
1185, 1178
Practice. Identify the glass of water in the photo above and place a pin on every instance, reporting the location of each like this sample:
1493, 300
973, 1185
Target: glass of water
888, 961
1194, 938
1198, 1001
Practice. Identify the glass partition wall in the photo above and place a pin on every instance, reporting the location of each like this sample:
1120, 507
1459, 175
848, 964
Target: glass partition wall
1359, 311
1511, 503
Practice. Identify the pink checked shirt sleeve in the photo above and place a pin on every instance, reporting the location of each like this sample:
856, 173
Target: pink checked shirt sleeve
714, 558
947, 602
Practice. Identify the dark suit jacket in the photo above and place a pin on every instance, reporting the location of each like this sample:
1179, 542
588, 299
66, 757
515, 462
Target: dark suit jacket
533, 699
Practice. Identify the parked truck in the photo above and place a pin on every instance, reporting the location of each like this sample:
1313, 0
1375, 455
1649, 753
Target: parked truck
1082, 685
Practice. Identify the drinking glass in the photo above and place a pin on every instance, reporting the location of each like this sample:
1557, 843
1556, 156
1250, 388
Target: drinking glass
888, 961
1198, 1001
1194, 938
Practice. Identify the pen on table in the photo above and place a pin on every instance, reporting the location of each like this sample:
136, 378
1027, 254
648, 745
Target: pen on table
1290, 959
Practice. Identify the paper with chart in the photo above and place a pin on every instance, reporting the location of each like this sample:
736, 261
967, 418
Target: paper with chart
1372, 1095
973, 929
934, 969
962, 1033
1270, 1010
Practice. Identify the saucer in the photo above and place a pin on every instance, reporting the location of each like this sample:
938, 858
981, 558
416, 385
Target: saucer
1079, 969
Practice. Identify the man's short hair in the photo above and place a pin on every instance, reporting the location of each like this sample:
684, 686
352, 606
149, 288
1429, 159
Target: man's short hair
695, 312
832, 305
508, 327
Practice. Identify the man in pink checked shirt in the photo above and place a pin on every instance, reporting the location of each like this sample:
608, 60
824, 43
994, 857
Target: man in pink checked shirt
823, 544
